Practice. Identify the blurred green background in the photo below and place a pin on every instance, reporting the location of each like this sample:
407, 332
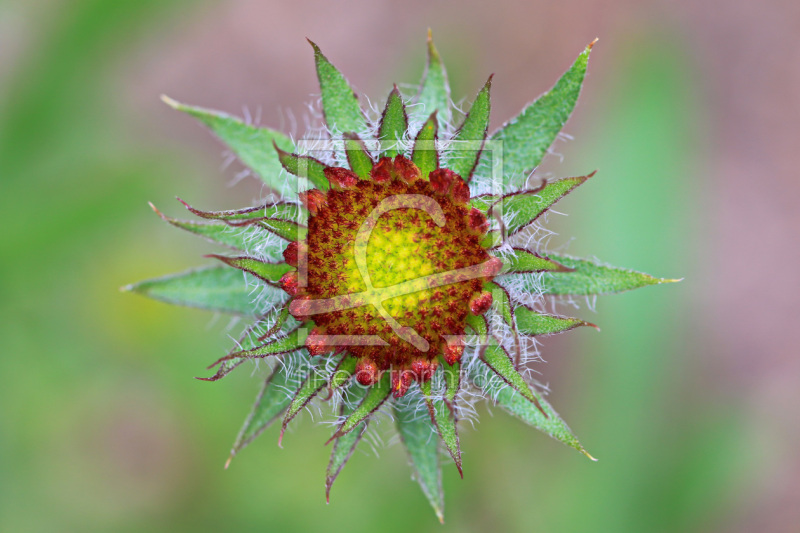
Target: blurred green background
688, 396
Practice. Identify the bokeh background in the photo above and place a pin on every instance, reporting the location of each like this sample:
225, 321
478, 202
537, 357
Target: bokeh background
690, 395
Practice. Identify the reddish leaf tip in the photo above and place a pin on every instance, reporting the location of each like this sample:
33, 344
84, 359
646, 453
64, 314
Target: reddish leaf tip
333, 437
591, 44
277, 149
174, 104
154, 208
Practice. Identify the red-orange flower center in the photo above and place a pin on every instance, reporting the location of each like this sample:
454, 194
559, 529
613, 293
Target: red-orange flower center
391, 267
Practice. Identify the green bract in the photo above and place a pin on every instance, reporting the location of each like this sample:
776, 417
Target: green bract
393, 272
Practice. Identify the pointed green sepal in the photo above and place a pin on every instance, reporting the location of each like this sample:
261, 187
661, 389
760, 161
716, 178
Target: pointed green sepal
280, 219
345, 445
247, 142
501, 302
279, 210
217, 231
293, 340
529, 322
358, 157
394, 124
315, 381
592, 277
483, 202
285, 229
524, 261
417, 435
443, 412
520, 209
303, 166
496, 358
343, 372
434, 91
527, 137
502, 307
268, 272
539, 415
281, 324
339, 102
492, 239
464, 155
477, 323
272, 400
214, 288
424, 154
375, 397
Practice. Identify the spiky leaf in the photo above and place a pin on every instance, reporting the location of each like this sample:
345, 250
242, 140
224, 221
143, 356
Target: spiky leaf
394, 124
538, 414
279, 210
443, 411
520, 209
280, 218
492, 239
285, 229
425, 155
345, 445
275, 324
591, 277
304, 166
422, 445
217, 288
464, 155
268, 272
434, 92
483, 202
529, 322
248, 143
524, 261
315, 381
293, 340
339, 101
527, 137
217, 231
501, 303
477, 323
373, 400
343, 372
272, 400
357, 156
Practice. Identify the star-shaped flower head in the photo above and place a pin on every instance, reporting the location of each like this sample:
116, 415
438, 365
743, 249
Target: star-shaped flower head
396, 267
